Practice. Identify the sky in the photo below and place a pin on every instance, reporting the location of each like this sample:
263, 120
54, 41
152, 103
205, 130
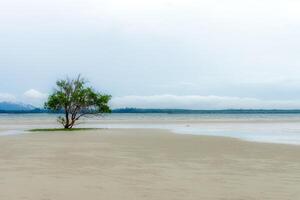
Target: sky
192, 54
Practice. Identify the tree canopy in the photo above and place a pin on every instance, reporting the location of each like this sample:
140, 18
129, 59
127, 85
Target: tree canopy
76, 99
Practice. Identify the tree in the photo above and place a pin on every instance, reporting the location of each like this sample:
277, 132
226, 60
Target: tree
76, 99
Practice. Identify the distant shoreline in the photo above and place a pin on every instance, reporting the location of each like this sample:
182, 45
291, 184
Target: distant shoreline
170, 111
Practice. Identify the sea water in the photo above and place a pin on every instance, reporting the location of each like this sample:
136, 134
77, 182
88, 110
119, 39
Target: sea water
271, 128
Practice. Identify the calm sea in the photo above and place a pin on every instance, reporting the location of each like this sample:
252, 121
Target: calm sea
272, 128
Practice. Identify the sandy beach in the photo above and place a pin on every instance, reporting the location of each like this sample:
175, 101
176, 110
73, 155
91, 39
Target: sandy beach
147, 164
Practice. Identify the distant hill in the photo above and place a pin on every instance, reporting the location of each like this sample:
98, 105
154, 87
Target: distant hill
9, 106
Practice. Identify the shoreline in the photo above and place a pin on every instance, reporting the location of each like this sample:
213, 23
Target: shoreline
180, 131
275, 129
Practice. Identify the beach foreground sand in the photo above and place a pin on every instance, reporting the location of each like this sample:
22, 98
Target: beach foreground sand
144, 164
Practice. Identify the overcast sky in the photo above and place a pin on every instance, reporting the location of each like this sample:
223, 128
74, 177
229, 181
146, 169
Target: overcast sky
197, 54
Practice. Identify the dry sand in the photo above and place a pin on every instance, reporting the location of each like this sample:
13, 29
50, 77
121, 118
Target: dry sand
145, 164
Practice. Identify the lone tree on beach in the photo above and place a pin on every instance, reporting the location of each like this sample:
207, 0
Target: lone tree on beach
76, 99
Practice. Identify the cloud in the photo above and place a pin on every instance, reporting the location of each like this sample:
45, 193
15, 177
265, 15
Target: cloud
201, 102
226, 48
7, 97
35, 95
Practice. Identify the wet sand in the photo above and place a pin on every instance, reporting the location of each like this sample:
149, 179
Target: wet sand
116, 164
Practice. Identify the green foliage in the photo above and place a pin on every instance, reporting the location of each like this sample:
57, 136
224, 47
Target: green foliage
76, 100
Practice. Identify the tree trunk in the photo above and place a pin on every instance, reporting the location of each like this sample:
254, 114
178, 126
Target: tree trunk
67, 124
